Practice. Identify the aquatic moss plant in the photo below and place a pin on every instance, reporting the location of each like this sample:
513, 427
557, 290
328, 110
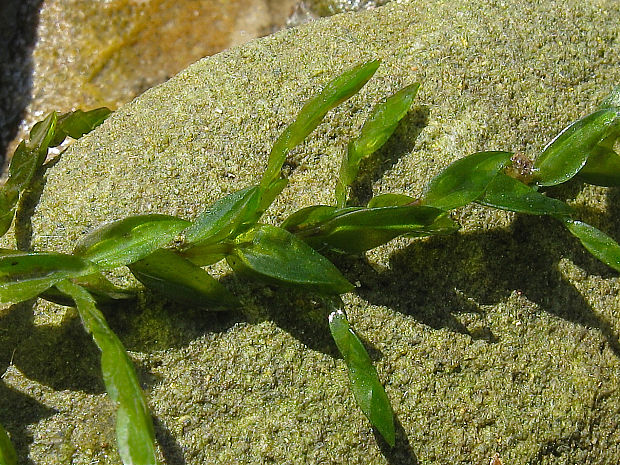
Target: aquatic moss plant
167, 254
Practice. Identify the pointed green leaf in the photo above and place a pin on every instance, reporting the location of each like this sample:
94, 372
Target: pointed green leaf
25, 275
465, 180
275, 255
358, 230
102, 290
602, 167
367, 388
376, 131
8, 456
565, 155
179, 279
391, 200
30, 156
508, 193
333, 94
223, 218
130, 239
310, 217
596, 242
269, 194
611, 100
134, 428
77, 123
26, 161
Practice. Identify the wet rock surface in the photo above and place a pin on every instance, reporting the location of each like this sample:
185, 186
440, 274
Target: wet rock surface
502, 338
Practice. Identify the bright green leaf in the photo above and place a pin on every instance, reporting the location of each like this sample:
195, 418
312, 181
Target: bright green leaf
333, 94
358, 230
612, 99
179, 279
365, 383
565, 155
30, 156
223, 218
130, 239
134, 428
25, 275
310, 217
596, 242
102, 290
275, 255
602, 167
8, 456
376, 131
465, 180
391, 200
77, 123
508, 193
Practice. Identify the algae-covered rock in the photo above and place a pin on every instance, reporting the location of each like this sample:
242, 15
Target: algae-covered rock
502, 338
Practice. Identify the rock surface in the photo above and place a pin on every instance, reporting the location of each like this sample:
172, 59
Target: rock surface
502, 338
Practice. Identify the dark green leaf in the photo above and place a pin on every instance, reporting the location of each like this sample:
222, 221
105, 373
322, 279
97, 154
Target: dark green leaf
134, 428
358, 230
333, 94
310, 217
508, 193
376, 131
130, 239
565, 155
8, 456
223, 218
465, 180
391, 200
209, 254
77, 123
602, 167
30, 156
596, 242
102, 290
275, 255
367, 388
179, 279
25, 275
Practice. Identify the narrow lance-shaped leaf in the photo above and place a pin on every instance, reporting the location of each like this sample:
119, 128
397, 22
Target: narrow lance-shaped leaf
130, 239
367, 388
77, 123
612, 99
358, 230
24, 275
376, 131
8, 455
134, 428
30, 156
565, 155
223, 218
596, 242
508, 193
27, 159
333, 94
102, 290
391, 200
465, 180
275, 255
177, 278
603, 165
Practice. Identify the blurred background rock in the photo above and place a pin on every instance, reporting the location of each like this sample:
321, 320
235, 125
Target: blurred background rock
67, 54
